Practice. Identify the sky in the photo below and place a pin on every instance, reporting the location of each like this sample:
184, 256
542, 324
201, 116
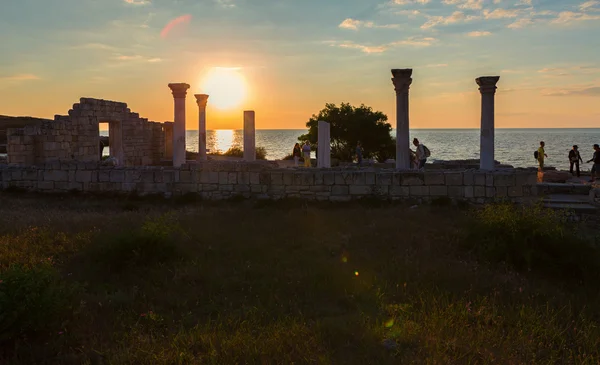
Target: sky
296, 55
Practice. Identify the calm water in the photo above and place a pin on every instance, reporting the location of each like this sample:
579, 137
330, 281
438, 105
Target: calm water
513, 146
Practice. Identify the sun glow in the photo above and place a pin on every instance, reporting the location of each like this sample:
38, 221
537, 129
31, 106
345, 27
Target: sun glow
226, 87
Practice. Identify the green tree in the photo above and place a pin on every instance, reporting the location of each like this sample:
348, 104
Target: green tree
350, 125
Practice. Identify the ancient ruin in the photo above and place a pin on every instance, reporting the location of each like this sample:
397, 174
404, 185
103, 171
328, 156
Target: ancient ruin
133, 141
65, 154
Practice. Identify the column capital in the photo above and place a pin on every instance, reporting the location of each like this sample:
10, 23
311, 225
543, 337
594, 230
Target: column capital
402, 79
179, 90
201, 100
487, 84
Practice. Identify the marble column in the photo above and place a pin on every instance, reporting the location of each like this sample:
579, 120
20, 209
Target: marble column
402, 80
201, 100
249, 136
324, 147
179, 92
487, 88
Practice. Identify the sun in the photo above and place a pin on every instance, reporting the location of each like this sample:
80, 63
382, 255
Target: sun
225, 86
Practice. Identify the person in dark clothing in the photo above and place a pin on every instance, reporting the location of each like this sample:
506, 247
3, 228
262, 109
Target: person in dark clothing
574, 158
596, 161
296, 153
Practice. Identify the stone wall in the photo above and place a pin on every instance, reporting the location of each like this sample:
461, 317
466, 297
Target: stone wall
134, 141
263, 180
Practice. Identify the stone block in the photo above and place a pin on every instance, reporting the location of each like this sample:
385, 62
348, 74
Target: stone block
339, 190
384, 178
319, 188
412, 178
117, 176
479, 178
456, 191
515, 191
187, 187
288, 178
340, 198
489, 179
434, 178
369, 178
264, 178
147, 177
360, 190
438, 190
501, 191
343, 178
501, 179
454, 178
468, 178
232, 178
277, 178
490, 192
328, 178
419, 190
223, 177
83, 176
469, 192
45, 185
358, 178
56, 175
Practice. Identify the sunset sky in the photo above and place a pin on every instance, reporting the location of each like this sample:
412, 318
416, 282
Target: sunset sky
285, 59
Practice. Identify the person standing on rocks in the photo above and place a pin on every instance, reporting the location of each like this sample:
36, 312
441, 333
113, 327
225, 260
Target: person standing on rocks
422, 153
306, 153
296, 153
541, 154
596, 161
359, 153
574, 158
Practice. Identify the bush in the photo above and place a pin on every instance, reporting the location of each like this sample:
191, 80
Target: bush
153, 243
533, 238
33, 300
261, 153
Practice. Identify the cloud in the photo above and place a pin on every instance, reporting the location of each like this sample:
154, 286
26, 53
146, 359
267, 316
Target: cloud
137, 2
567, 17
524, 2
500, 13
374, 49
354, 24
465, 4
437, 65
456, 17
589, 5
520, 23
99, 46
569, 70
20, 77
137, 57
588, 91
226, 3
478, 34
406, 2
410, 13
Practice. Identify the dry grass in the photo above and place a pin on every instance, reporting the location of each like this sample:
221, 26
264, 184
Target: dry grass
237, 283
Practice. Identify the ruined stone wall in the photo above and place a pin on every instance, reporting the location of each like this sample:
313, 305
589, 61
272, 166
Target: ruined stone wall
135, 141
217, 181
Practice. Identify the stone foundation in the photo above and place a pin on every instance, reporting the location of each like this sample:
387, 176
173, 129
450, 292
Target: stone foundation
222, 180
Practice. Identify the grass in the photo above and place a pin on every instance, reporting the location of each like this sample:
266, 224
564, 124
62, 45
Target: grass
90, 281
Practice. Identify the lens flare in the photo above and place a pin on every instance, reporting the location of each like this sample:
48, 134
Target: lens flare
184, 19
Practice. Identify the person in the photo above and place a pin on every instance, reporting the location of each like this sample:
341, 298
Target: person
574, 158
541, 154
306, 153
296, 153
421, 155
596, 160
359, 153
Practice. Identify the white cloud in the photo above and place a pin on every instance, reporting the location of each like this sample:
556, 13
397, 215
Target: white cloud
524, 2
20, 77
137, 2
99, 46
497, 1
500, 13
456, 17
520, 23
566, 17
589, 5
465, 4
226, 3
354, 24
478, 34
374, 49
410, 13
137, 57
406, 2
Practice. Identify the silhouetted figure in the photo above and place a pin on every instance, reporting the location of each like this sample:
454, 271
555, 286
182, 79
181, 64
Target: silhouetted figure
574, 158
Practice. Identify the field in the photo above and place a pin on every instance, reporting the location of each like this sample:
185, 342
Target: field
128, 281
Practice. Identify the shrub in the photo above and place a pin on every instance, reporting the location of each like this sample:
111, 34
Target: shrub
261, 153
151, 244
32, 300
533, 238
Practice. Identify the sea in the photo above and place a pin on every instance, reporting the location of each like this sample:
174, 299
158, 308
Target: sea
512, 146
